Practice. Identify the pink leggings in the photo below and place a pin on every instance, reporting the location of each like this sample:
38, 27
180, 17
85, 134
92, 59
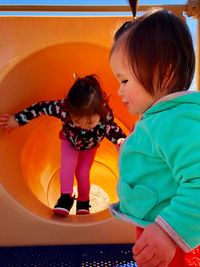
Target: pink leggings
78, 163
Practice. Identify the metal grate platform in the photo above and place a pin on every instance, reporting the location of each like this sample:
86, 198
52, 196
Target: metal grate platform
114, 255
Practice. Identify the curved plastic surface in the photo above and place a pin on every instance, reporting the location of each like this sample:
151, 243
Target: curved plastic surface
39, 56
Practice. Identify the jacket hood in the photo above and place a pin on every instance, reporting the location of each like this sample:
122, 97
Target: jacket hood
173, 100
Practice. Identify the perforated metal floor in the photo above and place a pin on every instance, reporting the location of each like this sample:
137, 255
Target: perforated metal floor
68, 256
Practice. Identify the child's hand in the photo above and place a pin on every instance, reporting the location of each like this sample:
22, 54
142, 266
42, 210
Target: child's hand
8, 121
119, 143
154, 247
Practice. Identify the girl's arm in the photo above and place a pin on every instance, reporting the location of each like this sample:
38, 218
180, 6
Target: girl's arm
51, 108
180, 149
114, 131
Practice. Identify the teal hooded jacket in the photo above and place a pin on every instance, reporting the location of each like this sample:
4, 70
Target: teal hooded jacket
159, 170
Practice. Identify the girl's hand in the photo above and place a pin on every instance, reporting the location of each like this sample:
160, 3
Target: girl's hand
8, 121
154, 247
119, 143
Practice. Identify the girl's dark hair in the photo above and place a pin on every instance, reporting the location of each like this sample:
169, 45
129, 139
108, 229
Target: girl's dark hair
126, 25
86, 98
160, 51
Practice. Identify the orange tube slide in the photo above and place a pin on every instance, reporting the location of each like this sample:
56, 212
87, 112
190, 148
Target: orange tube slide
38, 57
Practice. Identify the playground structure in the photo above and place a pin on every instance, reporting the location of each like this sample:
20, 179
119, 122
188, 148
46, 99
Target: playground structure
39, 55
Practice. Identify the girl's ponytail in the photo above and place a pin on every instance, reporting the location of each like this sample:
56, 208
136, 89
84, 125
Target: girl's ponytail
133, 4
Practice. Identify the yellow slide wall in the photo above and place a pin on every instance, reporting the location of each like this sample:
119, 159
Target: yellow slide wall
38, 58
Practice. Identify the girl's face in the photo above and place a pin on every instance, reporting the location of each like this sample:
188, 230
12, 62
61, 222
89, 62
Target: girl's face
86, 123
133, 94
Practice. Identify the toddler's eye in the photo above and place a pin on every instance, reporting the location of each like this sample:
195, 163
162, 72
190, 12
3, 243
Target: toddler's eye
124, 81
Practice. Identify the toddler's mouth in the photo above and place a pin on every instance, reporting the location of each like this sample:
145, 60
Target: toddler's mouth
125, 103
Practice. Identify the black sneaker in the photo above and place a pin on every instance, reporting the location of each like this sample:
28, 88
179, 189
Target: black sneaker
64, 204
82, 207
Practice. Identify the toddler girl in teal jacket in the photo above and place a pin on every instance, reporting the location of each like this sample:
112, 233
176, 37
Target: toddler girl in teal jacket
159, 166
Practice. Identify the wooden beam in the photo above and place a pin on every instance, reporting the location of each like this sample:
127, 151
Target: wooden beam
86, 8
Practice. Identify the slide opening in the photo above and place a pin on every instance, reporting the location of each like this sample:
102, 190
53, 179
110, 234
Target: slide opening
40, 163
34, 150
